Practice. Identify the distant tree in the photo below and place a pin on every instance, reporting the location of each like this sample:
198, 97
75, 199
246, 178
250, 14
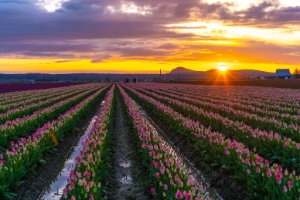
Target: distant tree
297, 73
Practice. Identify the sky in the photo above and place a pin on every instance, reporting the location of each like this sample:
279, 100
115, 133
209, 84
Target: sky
144, 36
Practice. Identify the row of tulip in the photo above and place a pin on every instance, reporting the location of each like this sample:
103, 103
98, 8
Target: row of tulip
244, 119
271, 146
21, 127
229, 95
39, 96
264, 98
86, 180
171, 179
275, 95
24, 155
254, 120
11, 97
264, 181
14, 97
237, 106
37, 104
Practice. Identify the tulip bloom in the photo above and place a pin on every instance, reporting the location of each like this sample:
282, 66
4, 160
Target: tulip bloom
165, 187
179, 194
153, 192
91, 197
87, 174
290, 183
284, 188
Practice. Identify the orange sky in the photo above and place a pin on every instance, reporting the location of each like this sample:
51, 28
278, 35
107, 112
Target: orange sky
136, 66
131, 36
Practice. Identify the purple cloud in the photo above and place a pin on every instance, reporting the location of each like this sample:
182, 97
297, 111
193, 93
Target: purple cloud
97, 29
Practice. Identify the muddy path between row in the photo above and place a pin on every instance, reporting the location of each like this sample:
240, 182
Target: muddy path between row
60, 180
35, 182
127, 177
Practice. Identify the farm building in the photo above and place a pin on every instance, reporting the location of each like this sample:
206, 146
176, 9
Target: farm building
282, 74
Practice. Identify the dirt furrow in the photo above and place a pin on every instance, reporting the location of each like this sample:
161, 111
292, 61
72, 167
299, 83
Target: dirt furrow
127, 178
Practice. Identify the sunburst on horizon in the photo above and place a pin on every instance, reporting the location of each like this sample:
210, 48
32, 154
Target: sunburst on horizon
222, 68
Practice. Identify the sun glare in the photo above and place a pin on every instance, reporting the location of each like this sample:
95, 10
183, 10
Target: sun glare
222, 68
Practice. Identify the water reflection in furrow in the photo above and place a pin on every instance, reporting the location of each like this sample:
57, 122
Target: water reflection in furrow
55, 190
184, 161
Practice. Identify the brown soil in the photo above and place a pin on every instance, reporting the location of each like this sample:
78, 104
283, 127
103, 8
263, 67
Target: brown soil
127, 178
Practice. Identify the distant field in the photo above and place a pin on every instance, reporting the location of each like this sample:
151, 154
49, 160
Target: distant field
293, 84
14, 87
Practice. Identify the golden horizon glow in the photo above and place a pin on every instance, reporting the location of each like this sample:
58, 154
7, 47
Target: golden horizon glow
222, 68
132, 66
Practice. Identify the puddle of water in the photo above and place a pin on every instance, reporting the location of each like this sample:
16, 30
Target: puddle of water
55, 190
184, 161
125, 164
126, 179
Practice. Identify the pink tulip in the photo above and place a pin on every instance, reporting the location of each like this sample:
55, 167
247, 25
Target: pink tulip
65, 193
187, 196
87, 174
171, 182
91, 197
165, 187
157, 174
284, 188
278, 179
258, 159
153, 192
257, 169
179, 194
91, 184
266, 162
290, 183
71, 186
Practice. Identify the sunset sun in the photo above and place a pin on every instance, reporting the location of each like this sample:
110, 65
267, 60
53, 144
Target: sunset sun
222, 68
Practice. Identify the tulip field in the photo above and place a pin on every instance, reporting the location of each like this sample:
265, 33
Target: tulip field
188, 142
14, 87
25, 139
248, 132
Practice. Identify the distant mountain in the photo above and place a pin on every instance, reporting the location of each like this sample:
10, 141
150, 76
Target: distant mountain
236, 74
182, 70
179, 73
